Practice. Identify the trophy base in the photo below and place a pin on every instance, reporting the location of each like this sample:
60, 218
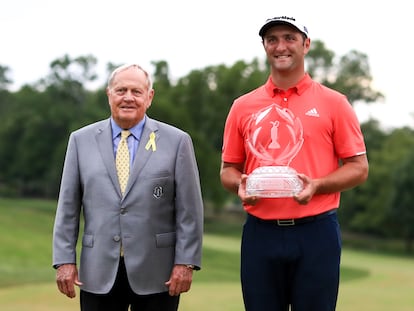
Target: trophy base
273, 182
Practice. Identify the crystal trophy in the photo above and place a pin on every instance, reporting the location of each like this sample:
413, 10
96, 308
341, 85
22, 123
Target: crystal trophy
275, 137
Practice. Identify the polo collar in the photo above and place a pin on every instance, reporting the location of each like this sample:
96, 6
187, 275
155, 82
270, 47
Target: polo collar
299, 88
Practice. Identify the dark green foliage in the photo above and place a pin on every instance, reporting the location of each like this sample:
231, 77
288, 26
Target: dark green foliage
401, 199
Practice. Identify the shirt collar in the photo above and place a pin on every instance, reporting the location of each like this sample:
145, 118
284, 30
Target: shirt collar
299, 88
136, 130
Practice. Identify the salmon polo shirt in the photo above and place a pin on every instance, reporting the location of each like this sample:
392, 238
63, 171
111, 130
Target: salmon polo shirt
309, 127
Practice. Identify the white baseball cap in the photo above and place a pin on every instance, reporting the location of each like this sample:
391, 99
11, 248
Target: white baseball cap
283, 20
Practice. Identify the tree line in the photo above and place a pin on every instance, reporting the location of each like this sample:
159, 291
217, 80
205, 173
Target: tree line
36, 120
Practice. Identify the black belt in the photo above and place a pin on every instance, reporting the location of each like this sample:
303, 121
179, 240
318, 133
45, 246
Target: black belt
295, 221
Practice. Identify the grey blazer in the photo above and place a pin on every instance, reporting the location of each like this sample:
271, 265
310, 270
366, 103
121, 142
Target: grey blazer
159, 220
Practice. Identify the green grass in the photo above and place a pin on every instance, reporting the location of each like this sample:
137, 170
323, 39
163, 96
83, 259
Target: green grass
25, 241
370, 281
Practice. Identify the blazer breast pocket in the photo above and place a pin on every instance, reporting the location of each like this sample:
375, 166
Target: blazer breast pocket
161, 187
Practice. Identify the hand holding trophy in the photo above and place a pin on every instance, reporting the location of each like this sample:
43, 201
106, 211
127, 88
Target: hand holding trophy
274, 178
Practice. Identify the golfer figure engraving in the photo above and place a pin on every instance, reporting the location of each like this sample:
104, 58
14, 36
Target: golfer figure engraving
275, 137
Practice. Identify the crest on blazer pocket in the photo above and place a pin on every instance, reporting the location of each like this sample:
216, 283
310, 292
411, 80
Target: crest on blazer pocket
158, 191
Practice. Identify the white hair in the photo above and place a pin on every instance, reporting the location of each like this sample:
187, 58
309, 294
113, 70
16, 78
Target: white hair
127, 66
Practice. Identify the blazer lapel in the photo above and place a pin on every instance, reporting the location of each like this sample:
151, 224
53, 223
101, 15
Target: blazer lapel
143, 154
105, 145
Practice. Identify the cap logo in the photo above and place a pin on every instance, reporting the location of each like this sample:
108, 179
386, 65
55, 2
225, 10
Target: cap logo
283, 17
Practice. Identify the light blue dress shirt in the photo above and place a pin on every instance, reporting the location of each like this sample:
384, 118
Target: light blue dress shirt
133, 139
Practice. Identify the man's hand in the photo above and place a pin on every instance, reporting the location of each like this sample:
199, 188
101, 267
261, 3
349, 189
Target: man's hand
250, 200
67, 278
307, 192
180, 280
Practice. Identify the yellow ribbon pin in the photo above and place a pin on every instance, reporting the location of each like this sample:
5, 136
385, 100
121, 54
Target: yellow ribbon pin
151, 142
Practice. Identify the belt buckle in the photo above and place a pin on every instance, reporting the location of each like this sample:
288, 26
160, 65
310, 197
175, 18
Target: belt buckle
285, 222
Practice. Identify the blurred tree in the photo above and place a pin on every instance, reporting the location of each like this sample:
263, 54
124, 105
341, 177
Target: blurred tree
38, 124
374, 215
401, 199
69, 78
5, 98
350, 76
354, 202
4, 79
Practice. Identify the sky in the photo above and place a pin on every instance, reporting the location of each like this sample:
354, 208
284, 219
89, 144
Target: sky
191, 34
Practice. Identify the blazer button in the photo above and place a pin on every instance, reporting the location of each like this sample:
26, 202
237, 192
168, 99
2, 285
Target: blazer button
117, 238
123, 211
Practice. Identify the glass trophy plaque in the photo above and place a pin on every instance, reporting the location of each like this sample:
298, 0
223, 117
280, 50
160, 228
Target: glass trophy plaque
275, 137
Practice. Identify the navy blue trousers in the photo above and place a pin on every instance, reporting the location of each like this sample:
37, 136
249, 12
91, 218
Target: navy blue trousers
294, 267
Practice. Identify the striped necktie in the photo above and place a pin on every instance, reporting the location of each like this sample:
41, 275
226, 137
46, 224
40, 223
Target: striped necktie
122, 160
